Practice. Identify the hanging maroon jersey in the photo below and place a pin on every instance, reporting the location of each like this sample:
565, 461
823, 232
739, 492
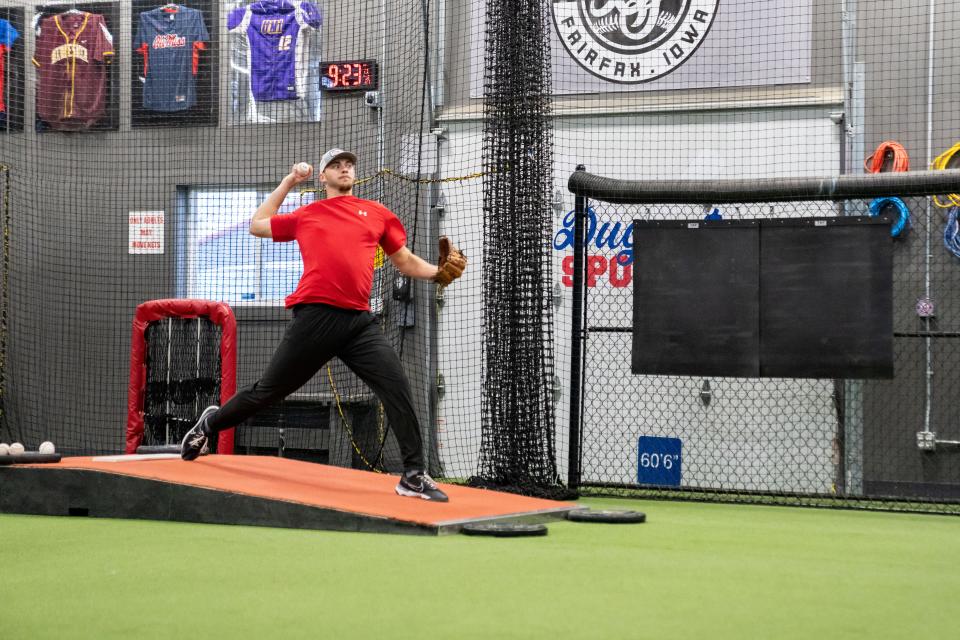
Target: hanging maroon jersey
72, 50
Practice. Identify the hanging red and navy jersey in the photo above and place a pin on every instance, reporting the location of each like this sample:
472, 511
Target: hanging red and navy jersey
170, 40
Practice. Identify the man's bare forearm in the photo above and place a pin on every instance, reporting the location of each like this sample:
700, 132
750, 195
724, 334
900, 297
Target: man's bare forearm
417, 267
271, 205
410, 264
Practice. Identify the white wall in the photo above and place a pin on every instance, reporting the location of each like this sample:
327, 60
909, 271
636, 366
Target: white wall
735, 442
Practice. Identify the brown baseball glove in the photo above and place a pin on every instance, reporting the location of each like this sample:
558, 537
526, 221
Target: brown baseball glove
451, 264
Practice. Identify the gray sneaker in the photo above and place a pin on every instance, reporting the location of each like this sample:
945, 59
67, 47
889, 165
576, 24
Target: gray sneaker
417, 484
195, 442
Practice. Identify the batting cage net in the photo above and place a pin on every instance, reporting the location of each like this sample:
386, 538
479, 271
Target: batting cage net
175, 392
138, 137
745, 282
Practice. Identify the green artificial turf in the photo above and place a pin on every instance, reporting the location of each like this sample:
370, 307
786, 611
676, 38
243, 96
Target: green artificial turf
692, 571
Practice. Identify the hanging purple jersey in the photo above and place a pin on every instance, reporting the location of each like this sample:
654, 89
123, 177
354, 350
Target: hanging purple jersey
170, 41
277, 49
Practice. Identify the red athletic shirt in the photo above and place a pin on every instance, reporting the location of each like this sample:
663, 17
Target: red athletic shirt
338, 240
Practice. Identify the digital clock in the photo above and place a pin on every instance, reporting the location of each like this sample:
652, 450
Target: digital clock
349, 75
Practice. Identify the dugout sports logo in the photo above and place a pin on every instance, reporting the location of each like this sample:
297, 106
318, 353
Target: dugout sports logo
632, 41
611, 239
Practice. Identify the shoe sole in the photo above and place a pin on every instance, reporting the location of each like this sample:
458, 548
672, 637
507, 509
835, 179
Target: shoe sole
191, 459
206, 445
407, 493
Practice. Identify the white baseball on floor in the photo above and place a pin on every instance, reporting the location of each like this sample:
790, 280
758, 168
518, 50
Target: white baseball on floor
16, 449
304, 169
47, 447
4, 449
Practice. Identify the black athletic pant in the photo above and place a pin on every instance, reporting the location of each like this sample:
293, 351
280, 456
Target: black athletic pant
317, 333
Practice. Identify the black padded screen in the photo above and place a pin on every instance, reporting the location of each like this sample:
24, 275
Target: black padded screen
826, 307
799, 298
695, 302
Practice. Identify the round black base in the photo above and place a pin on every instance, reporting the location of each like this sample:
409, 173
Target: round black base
608, 516
505, 530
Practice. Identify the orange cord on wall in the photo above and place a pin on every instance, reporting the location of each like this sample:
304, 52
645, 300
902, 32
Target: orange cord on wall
886, 150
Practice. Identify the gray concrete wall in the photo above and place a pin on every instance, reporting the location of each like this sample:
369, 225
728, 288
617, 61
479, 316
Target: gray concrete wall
894, 45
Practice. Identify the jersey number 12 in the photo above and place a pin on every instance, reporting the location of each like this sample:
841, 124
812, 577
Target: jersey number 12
284, 44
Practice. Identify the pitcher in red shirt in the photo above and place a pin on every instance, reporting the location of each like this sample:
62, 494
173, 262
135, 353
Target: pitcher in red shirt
338, 239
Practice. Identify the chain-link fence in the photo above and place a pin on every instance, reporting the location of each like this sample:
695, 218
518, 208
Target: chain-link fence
885, 441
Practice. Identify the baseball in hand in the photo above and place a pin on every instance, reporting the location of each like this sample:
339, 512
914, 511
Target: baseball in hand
304, 169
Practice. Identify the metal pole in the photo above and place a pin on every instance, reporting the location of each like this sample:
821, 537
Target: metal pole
576, 357
854, 142
928, 218
848, 13
380, 120
166, 419
196, 374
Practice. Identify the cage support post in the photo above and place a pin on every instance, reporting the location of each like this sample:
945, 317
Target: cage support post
576, 344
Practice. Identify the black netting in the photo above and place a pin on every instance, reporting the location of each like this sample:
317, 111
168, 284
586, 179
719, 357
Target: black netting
184, 375
518, 451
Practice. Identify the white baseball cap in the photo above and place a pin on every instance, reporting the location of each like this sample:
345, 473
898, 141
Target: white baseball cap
336, 154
